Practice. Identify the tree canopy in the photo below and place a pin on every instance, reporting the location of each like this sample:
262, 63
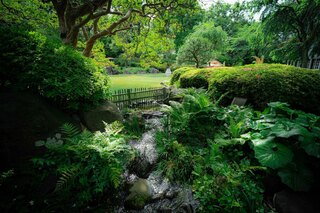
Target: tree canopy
296, 23
153, 33
205, 43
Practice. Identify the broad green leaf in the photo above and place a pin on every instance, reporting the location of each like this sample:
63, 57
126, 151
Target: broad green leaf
298, 178
310, 145
261, 125
272, 154
286, 130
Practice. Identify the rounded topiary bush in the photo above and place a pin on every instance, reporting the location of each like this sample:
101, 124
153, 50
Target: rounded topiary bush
31, 61
261, 84
194, 78
177, 73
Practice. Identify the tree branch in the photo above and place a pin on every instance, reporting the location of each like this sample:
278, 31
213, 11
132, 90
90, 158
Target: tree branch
122, 29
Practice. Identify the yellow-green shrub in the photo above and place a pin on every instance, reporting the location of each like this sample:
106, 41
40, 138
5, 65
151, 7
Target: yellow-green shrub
177, 73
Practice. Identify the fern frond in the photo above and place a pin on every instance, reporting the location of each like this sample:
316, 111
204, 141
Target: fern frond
67, 175
259, 60
115, 175
69, 130
251, 169
113, 129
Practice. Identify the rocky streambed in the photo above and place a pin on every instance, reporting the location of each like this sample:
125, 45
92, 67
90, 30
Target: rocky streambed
146, 189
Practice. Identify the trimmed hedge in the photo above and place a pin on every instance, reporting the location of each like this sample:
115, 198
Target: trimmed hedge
260, 84
177, 73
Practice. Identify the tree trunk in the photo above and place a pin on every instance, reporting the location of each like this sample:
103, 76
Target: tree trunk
72, 38
85, 33
89, 46
304, 57
197, 63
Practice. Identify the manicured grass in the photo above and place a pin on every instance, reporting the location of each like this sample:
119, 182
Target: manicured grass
137, 81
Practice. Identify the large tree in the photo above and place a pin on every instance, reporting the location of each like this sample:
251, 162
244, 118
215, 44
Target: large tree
231, 17
116, 15
296, 22
205, 43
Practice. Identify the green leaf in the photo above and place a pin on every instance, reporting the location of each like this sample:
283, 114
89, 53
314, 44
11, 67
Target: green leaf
272, 154
310, 145
298, 178
284, 130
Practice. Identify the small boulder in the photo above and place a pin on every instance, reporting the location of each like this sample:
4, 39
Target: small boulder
153, 70
112, 71
107, 112
25, 119
140, 194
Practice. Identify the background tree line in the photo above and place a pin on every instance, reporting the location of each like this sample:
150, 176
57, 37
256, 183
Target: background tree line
158, 33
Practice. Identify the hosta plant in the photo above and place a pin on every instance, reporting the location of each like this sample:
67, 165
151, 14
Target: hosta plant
284, 139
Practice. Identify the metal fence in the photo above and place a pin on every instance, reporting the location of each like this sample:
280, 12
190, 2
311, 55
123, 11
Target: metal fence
139, 97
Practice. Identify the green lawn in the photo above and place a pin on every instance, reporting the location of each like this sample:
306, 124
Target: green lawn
137, 81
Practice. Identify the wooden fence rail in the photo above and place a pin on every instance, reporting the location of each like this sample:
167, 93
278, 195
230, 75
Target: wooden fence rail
139, 97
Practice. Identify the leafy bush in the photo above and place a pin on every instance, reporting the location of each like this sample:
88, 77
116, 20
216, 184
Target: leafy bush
260, 84
200, 145
174, 157
132, 70
223, 186
287, 141
29, 60
195, 79
88, 165
177, 73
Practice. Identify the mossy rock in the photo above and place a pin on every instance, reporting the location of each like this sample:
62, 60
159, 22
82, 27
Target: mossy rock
25, 119
107, 112
140, 194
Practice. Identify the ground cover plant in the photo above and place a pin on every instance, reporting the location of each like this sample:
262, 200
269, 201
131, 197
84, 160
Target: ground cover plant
200, 147
225, 152
260, 84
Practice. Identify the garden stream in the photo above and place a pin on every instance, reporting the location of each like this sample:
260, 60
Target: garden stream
148, 190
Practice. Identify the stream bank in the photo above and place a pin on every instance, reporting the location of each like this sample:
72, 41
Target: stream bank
147, 190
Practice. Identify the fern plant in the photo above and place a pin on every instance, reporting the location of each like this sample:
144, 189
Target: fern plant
259, 60
88, 165
191, 121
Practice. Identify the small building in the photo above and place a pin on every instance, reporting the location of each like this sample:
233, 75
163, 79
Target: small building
215, 63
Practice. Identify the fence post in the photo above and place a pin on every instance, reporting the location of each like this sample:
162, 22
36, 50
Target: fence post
129, 97
164, 90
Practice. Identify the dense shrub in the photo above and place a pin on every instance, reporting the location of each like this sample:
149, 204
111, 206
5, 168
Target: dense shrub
194, 78
224, 186
177, 73
260, 84
30, 60
200, 146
